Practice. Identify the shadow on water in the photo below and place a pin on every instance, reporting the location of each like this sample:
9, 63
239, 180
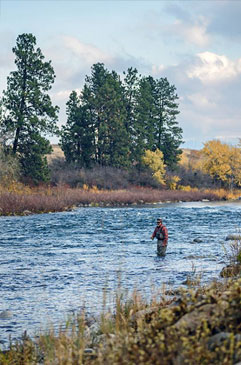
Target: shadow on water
53, 264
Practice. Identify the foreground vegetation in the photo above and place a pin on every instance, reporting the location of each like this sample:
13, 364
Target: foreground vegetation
196, 325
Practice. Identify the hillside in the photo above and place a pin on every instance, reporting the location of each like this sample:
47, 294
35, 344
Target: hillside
56, 154
189, 155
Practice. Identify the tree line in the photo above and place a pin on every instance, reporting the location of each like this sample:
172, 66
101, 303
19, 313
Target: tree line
112, 122
122, 121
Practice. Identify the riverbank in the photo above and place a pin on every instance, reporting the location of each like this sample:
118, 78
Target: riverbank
197, 325
22, 200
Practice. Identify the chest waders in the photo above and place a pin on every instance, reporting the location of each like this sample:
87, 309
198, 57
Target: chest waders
161, 249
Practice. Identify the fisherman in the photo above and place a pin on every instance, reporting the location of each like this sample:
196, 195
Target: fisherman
161, 235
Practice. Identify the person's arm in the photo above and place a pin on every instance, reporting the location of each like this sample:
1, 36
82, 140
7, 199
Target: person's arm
165, 235
154, 233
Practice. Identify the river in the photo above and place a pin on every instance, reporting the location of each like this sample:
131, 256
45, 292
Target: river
52, 265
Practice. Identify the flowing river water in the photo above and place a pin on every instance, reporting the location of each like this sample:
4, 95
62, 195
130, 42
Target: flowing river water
52, 265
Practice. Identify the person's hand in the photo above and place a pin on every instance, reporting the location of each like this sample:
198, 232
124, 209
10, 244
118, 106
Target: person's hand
152, 238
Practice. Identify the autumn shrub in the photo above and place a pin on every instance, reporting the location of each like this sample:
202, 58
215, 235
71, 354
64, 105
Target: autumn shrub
224, 194
53, 199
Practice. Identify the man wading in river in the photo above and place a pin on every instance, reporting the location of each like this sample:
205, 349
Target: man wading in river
161, 235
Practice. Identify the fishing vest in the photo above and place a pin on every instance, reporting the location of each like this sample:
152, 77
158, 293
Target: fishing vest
159, 234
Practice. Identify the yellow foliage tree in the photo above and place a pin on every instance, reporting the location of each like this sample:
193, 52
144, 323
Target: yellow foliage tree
173, 181
154, 160
222, 162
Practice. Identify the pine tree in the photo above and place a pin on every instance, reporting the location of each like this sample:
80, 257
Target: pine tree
77, 136
29, 113
103, 96
168, 135
131, 86
144, 114
156, 125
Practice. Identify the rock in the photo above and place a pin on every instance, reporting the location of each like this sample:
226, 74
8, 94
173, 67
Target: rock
5, 314
94, 328
238, 337
233, 237
193, 319
217, 340
89, 351
230, 270
144, 313
197, 240
27, 212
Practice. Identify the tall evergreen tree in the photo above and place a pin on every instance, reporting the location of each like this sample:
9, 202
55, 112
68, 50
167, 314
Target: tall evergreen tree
29, 113
131, 86
168, 135
156, 125
144, 114
77, 136
103, 96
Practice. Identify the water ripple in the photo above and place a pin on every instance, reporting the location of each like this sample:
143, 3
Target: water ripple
54, 264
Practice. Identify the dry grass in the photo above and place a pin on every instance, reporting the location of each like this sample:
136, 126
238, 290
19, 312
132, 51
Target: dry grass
25, 200
196, 326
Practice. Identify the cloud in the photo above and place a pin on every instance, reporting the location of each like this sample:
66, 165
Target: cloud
201, 101
180, 25
194, 32
157, 69
64, 94
209, 89
72, 60
208, 20
87, 53
210, 67
225, 20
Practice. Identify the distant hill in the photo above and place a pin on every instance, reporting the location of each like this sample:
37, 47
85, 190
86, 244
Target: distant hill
188, 155
56, 154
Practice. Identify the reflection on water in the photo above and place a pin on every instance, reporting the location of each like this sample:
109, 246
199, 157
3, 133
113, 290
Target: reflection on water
54, 264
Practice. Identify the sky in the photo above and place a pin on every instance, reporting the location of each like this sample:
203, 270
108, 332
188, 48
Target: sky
195, 44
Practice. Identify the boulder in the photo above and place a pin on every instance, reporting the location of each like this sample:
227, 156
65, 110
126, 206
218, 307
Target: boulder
192, 320
145, 313
197, 240
230, 270
5, 314
27, 212
233, 237
217, 340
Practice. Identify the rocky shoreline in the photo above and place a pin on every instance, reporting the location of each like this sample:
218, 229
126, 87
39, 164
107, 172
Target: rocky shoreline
197, 325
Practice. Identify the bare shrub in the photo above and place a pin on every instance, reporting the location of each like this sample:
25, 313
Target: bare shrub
104, 177
194, 178
60, 198
9, 168
63, 173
